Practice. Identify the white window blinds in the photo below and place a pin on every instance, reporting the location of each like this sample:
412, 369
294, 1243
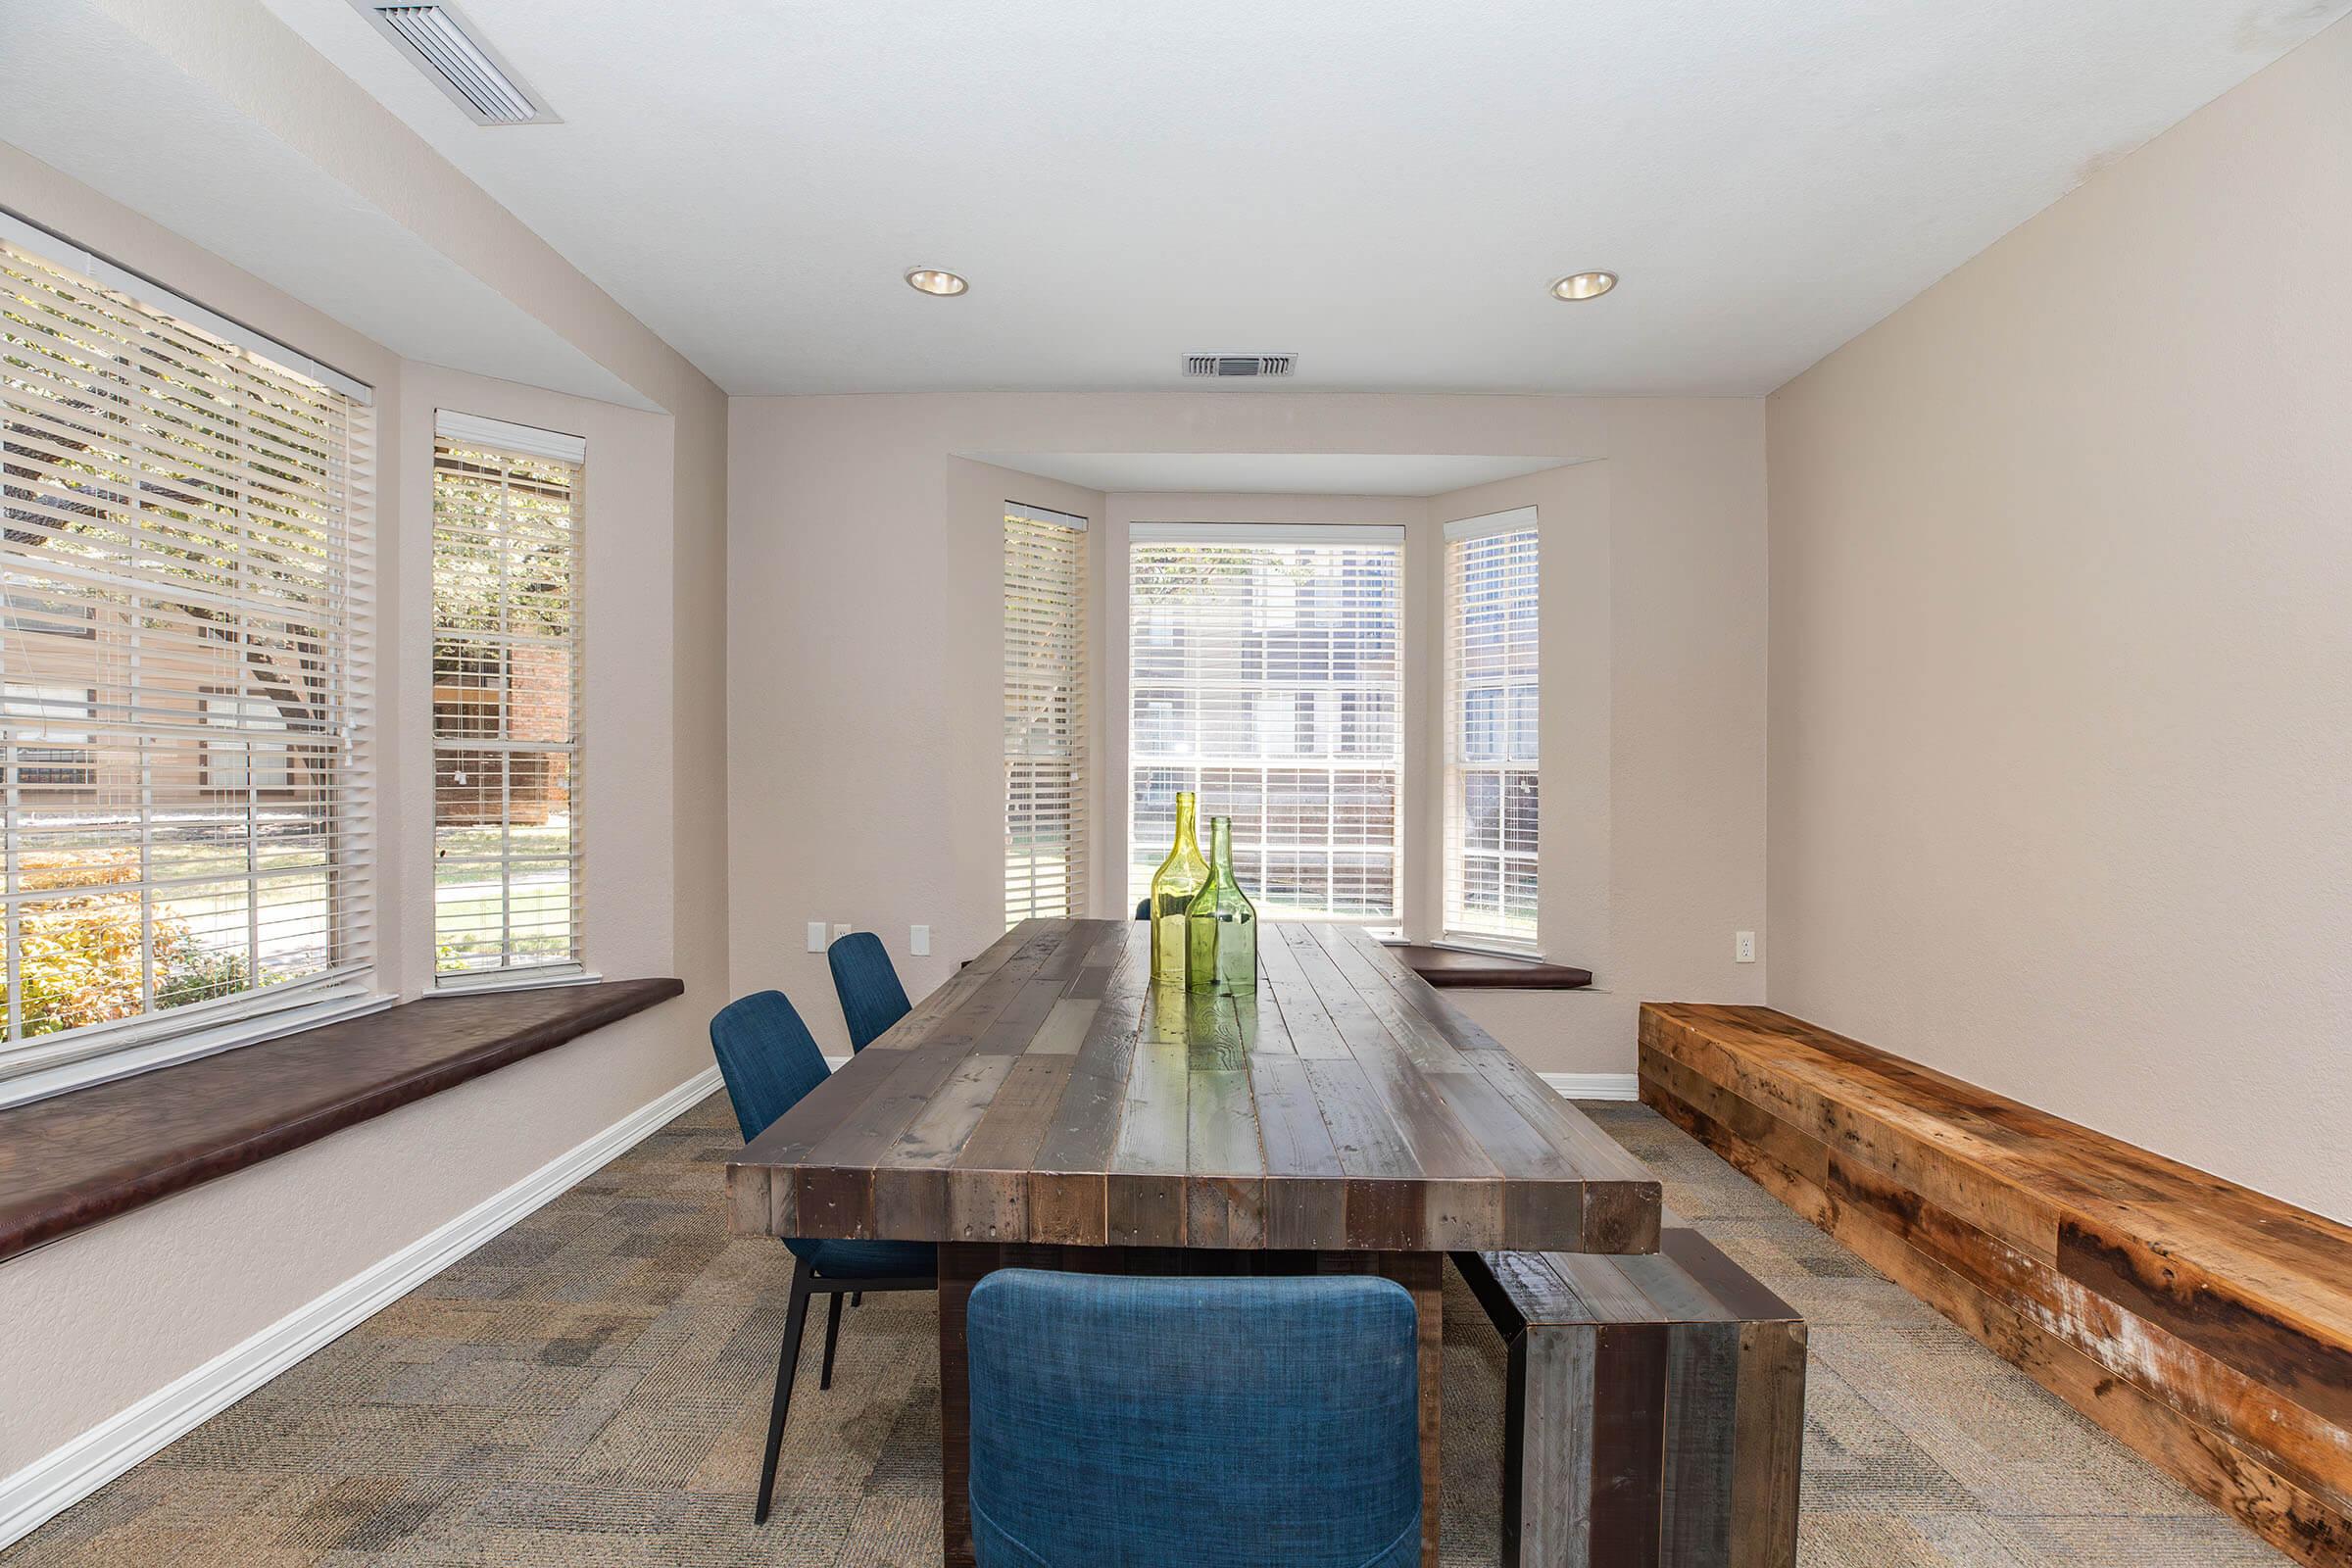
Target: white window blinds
188, 586
1044, 714
1263, 675
507, 700
1491, 750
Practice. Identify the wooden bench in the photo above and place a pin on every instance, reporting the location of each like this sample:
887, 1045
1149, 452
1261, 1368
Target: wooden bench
2202, 1323
1655, 1408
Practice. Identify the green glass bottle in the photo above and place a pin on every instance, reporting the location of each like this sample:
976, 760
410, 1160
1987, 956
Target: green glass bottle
1173, 885
1222, 932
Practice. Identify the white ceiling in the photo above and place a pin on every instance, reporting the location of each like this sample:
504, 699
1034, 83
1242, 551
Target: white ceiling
1384, 188
84, 95
1266, 473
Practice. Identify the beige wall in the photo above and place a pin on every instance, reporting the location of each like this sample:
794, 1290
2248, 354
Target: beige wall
865, 645
101, 1318
2061, 660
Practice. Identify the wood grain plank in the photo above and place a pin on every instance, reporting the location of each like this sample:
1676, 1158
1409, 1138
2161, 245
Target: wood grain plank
1702, 1372
2242, 1418
950, 1135
1306, 1189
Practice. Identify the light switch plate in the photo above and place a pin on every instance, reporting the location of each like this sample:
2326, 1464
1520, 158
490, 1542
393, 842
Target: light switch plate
817, 935
918, 941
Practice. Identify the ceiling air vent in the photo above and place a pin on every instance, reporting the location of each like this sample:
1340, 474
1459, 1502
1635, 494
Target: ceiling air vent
444, 46
1238, 364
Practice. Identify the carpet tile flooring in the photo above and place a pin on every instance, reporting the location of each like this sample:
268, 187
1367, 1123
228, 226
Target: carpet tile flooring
591, 1389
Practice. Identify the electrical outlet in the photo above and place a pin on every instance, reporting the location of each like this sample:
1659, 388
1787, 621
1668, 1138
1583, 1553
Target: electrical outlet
842, 929
1744, 947
918, 941
817, 935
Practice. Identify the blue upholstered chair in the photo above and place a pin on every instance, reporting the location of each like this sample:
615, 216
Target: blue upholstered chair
1143, 908
769, 1062
871, 997
1193, 1423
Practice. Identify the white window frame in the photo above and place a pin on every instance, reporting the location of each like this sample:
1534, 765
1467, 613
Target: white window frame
1137, 851
1044, 703
102, 1053
1457, 926
524, 440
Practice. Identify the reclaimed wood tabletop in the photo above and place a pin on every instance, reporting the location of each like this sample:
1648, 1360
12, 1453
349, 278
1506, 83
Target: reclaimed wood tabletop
1051, 1108
1051, 1094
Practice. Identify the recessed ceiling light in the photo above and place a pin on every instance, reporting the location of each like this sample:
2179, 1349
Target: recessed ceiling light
1583, 285
931, 280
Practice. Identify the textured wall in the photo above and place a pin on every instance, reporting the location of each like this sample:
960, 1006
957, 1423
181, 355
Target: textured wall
2061, 667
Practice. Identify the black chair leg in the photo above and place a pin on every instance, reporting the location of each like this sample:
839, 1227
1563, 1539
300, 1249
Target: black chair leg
856, 1298
824, 1377
788, 1361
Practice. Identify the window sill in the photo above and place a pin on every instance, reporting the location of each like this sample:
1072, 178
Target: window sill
1459, 969
80, 1158
499, 981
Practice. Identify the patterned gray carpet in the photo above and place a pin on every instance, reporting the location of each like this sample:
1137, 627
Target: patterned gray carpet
591, 1389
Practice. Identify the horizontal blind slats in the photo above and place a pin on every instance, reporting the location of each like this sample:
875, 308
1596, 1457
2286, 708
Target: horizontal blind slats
507, 623
1265, 677
185, 646
1044, 714
1491, 863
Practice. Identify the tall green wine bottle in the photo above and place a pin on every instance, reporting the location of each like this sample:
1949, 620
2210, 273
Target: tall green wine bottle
1173, 885
1222, 932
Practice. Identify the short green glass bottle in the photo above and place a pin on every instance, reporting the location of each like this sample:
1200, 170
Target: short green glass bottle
1180, 876
1221, 933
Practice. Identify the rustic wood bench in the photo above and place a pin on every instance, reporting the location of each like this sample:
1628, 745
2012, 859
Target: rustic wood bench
1655, 1408
2204, 1324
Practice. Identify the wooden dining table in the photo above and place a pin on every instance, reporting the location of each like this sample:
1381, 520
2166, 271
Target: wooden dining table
1052, 1108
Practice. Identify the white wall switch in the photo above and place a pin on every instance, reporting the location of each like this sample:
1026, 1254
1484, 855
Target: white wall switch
1744, 947
842, 929
817, 935
918, 941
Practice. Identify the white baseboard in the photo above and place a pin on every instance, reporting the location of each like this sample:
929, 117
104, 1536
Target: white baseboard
1594, 1084
66, 1475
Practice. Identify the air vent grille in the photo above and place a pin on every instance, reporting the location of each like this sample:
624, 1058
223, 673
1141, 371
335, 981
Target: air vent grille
438, 41
1238, 364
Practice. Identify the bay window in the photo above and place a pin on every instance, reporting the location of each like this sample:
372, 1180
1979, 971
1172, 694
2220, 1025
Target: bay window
1491, 773
1265, 676
506, 699
1044, 714
187, 581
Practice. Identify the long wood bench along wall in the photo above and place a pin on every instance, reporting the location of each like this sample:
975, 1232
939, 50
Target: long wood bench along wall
2203, 1324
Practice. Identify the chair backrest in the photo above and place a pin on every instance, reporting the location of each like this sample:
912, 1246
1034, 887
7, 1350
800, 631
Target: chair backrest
768, 1056
1143, 908
1203, 1422
871, 997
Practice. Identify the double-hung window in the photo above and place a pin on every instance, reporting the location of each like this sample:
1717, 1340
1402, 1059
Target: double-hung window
1044, 714
506, 699
185, 592
1263, 675
1491, 744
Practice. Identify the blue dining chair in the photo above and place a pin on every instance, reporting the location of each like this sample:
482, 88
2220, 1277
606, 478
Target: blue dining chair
871, 997
1193, 1423
771, 1061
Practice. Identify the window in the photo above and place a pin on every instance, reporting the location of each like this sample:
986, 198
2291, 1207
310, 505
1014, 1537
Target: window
186, 515
1263, 671
507, 674
1491, 706
1044, 714
52, 729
